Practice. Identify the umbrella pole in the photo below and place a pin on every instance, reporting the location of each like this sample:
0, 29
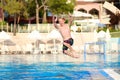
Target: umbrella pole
3, 47
54, 45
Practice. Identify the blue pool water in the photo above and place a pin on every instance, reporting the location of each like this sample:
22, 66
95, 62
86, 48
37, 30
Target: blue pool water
54, 71
15, 69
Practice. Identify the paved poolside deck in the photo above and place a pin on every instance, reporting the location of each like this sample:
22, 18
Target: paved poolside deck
29, 58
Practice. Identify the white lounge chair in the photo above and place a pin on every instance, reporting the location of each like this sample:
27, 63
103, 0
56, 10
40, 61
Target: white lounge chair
4, 49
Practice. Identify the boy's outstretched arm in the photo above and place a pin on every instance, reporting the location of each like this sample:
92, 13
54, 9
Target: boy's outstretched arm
70, 19
54, 22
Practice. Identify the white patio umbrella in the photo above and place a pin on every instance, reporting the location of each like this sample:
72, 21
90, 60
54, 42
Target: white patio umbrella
108, 37
101, 35
34, 35
54, 34
4, 36
80, 14
95, 35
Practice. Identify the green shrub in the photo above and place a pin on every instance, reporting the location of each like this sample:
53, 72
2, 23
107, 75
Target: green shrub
3, 23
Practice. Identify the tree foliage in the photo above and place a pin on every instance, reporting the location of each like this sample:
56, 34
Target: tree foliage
60, 6
30, 5
13, 6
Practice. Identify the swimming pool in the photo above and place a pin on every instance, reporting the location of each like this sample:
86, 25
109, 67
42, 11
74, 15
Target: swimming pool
15, 67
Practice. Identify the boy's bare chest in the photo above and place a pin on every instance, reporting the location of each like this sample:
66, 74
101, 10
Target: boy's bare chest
64, 29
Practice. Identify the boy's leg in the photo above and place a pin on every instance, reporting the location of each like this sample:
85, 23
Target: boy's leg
69, 46
71, 54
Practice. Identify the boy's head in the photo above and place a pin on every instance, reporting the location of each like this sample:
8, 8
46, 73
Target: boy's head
61, 20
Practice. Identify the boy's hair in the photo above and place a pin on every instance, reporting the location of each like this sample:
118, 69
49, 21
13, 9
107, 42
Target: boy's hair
62, 18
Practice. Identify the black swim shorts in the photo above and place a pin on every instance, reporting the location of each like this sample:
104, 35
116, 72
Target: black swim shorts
69, 41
